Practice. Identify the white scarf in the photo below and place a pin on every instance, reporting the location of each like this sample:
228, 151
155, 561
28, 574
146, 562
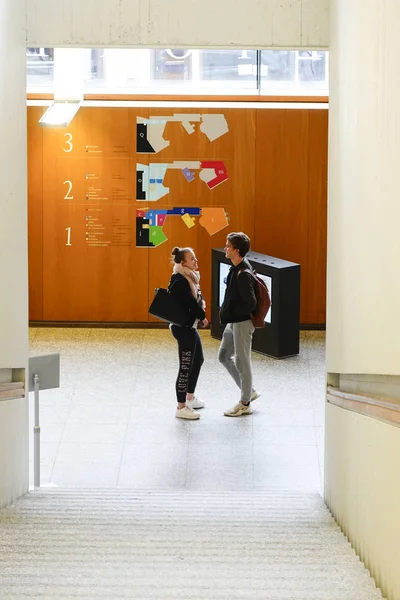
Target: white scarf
193, 278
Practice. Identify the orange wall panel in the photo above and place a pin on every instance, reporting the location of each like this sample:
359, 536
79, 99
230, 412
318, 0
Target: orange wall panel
35, 213
317, 217
281, 214
84, 262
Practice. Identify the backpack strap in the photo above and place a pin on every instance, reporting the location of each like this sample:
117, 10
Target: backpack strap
244, 270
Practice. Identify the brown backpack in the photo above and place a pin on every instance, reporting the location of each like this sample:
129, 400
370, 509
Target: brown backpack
263, 300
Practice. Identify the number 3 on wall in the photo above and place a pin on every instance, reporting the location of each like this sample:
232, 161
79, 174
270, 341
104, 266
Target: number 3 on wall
68, 142
67, 195
68, 229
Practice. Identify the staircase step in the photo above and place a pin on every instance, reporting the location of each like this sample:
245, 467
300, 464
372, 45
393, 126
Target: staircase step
164, 545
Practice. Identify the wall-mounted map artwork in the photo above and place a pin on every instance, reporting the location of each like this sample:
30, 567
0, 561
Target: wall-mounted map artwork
150, 132
150, 178
150, 223
104, 217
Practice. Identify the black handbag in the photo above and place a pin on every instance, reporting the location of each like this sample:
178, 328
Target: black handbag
167, 308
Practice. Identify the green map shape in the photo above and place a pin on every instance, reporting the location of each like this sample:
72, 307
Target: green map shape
156, 235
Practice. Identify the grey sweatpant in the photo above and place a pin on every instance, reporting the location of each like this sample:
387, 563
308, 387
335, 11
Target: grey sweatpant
235, 355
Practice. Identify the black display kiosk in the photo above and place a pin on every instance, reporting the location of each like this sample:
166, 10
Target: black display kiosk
280, 336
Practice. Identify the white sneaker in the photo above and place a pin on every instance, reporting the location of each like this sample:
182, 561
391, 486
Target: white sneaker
187, 413
195, 403
254, 395
238, 410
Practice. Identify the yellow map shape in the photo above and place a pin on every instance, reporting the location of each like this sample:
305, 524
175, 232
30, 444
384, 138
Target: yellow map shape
188, 220
213, 219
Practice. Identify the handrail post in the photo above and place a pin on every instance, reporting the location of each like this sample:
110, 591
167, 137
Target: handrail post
36, 435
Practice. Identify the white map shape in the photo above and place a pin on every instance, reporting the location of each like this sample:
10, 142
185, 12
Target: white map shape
207, 175
213, 126
153, 176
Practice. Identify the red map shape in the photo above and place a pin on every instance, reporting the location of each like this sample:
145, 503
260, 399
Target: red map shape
221, 174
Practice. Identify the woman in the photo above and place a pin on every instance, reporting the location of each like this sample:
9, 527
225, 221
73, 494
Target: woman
184, 286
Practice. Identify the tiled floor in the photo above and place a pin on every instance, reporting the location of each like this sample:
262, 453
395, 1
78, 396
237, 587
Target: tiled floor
112, 423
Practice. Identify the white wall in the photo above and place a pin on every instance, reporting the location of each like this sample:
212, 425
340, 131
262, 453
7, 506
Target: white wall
13, 245
363, 318
175, 23
363, 334
363, 490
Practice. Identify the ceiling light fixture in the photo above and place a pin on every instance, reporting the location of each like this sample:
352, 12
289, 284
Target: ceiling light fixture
69, 76
59, 114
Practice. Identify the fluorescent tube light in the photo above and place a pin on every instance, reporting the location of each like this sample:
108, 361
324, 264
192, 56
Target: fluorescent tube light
59, 114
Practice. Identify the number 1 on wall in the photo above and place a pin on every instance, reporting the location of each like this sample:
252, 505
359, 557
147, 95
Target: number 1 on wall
68, 229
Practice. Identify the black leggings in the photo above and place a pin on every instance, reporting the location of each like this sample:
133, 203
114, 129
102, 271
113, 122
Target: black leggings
190, 360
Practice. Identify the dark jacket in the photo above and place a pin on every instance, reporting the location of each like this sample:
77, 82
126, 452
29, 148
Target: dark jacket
180, 288
240, 296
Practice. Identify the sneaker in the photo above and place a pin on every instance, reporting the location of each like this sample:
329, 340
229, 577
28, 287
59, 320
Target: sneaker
195, 403
186, 413
238, 410
254, 395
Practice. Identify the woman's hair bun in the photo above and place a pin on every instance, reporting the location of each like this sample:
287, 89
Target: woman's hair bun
175, 251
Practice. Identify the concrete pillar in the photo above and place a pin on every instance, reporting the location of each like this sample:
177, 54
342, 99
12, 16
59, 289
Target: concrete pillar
364, 199
363, 314
13, 246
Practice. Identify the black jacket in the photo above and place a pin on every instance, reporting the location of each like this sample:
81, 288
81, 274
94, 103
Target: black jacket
180, 288
240, 296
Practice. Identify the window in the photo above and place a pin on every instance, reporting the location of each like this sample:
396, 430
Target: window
40, 67
171, 65
191, 71
294, 72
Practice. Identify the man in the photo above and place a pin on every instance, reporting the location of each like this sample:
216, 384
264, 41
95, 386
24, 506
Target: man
239, 301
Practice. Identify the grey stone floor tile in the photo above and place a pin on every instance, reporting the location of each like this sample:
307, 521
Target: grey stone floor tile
83, 453
287, 456
319, 435
238, 454
51, 433
108, 433
284, 436
48, 453
152, 476
174, 430
223, 431
285, 400
289, 477
102, 398
54, 414
175, 450
32, 333
321, 456
154, 467
107, 382
319, 415
116, 406
283, 417
45, 475
84, 476
57, 397
222, 466
104, 413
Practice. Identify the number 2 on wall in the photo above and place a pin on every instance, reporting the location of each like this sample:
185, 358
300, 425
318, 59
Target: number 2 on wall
68, 142
68, 229
67, 195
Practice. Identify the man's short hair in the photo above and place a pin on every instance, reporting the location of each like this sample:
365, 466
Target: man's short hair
240, 241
